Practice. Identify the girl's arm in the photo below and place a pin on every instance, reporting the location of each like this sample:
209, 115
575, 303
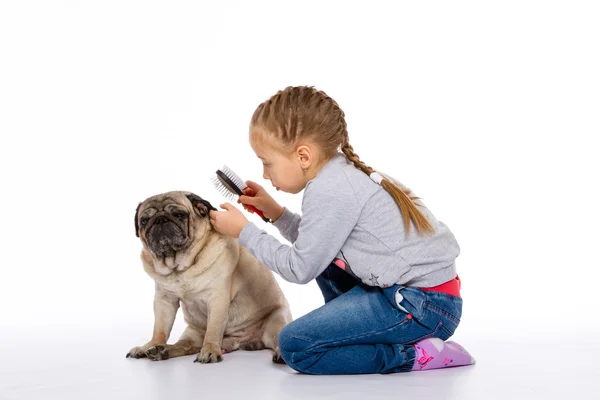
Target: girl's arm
328, 217
288, 224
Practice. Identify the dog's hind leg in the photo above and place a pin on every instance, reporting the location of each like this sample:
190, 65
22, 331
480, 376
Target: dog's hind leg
274, 323
252, 345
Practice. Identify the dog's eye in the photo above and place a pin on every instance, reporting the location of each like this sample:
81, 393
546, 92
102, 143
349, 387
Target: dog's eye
181, 215
144, 221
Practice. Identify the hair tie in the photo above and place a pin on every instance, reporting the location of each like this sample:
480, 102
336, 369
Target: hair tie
375, 177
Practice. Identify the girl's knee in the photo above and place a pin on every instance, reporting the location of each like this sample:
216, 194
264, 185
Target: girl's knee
294, 349
288, 339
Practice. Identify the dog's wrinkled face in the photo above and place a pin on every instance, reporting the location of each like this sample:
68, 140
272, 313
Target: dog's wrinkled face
166, 223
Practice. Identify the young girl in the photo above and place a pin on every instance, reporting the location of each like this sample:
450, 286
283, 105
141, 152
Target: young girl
385, 265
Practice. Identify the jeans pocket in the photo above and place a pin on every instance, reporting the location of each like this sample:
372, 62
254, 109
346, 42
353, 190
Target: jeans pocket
427, 314
449, 311
408, 300
447, 307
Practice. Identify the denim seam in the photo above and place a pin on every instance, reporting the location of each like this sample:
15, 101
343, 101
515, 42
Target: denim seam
429, 335
446, 314
348, 338
305, 370
446, 330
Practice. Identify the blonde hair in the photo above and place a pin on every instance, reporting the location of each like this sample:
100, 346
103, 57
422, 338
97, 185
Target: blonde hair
304, 113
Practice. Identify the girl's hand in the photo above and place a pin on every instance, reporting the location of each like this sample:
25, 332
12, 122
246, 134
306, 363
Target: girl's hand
229, 222
255, 195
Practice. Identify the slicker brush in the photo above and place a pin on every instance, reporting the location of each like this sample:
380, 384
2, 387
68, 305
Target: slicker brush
230, 185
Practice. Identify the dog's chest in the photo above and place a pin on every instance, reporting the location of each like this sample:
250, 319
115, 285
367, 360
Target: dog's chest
193, 299
179, 286
195, 312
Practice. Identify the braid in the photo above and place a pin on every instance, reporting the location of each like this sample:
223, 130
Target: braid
348, 150
304, 113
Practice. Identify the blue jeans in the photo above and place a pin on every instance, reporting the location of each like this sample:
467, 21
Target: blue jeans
362, 330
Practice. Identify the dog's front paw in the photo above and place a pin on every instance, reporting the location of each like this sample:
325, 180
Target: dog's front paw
157, 353
137, 352
210, 353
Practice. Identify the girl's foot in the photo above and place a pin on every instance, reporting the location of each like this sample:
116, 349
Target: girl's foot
435, 353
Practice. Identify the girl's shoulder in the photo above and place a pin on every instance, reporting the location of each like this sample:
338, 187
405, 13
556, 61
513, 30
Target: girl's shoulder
339, 180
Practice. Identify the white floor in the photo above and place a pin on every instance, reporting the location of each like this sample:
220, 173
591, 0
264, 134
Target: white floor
83, 365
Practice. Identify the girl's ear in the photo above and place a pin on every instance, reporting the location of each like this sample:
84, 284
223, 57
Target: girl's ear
305, 156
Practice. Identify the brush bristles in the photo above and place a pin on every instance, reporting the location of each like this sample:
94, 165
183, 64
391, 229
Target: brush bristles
222, 189
237, 181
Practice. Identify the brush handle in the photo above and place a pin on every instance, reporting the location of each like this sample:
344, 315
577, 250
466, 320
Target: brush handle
260, 213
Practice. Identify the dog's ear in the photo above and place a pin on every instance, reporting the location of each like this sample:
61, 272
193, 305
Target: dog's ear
137, 226
201, 206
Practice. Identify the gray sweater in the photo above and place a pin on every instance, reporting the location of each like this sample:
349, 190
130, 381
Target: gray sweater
352, 221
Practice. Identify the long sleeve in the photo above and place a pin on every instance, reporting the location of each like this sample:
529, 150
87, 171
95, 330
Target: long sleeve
330, 212
288, 224
343, 210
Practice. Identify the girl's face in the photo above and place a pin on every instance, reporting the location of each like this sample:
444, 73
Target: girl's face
283, 168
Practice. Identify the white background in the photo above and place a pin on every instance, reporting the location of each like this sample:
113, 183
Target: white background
488, 111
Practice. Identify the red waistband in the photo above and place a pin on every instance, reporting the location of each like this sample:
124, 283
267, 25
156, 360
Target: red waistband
451, 287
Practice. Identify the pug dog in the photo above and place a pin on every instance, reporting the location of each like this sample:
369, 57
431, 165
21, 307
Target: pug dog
229, 299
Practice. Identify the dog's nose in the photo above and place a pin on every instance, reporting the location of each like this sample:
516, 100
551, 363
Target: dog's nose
161, 220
